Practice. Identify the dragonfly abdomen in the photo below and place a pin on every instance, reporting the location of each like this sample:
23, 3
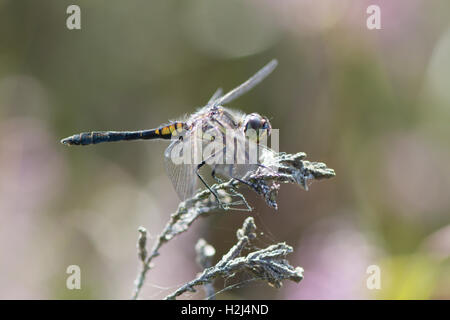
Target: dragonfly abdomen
94, 137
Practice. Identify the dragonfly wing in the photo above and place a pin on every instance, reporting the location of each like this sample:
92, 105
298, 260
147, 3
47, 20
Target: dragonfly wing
181, 174
215, 96
246, 157
247, 85
243, 157
182, 157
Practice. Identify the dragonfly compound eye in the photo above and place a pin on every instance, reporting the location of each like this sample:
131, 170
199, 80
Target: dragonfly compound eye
256, 124
253, 121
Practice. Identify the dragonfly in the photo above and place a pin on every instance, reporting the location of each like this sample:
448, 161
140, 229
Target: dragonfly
212, 125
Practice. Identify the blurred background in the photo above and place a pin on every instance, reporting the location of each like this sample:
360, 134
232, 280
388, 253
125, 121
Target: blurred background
371, 104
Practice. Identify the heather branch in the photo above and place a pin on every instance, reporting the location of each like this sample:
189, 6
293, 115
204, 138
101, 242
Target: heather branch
188, 211
267, 264
205, 253
277, 168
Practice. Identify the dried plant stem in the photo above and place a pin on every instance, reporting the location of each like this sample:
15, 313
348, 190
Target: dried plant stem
268, 264
188, 211
205, 253
279, 168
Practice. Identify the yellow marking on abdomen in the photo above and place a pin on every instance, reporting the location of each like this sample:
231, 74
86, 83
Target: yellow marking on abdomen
165, 131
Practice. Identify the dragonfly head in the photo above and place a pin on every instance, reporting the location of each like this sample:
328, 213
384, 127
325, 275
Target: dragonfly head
256, 126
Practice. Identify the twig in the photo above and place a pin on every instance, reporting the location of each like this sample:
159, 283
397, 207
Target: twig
278, 168
188, 211
205, 253
142, 243
268, 264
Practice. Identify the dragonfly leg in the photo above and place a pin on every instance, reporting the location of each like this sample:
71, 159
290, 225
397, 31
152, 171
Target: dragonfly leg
244, 182
234, 192
215, 177
214, 193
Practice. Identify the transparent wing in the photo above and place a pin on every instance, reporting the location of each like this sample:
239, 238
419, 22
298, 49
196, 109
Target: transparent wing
241, 156
247, 85
181, 174
215, 96
183, 156
223, 147
235, 170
